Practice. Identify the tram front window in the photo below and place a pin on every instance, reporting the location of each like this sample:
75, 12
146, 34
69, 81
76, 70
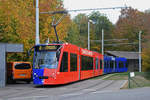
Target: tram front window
46, 59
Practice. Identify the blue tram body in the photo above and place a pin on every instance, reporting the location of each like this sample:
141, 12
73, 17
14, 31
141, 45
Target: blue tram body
114, 64
121, 64
36, 74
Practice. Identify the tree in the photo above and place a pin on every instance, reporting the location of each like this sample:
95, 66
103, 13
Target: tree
130, 22
81, 21
102, 22
46, 29
146, 61
17, 22
73, 34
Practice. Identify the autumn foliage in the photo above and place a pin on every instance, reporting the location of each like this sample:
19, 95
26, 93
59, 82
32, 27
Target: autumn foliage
130, 22
17, 22
17, 25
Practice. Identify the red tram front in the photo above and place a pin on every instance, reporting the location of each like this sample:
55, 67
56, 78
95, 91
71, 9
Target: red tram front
64, 63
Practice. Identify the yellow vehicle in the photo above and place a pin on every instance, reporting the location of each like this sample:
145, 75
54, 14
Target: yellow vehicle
19, 71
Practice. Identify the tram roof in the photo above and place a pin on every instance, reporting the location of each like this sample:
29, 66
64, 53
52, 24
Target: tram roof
128, 55
49, 44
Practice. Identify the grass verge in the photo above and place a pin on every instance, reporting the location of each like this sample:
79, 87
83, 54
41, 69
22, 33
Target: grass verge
118, 76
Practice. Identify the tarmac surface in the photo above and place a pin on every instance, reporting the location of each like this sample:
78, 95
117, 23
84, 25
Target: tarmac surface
96, 89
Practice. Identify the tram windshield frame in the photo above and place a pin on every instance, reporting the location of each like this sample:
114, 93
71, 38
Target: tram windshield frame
46, 57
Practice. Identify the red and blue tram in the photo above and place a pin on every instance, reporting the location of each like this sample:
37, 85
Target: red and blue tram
61, 63
58, 63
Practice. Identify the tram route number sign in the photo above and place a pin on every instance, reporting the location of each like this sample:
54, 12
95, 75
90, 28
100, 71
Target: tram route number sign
86, 52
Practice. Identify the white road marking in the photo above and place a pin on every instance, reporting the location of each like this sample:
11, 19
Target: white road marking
72, 94
104, 91
31, 97
123, 84
89, 90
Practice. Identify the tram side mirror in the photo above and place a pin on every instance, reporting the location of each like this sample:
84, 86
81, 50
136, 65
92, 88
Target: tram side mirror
29, 52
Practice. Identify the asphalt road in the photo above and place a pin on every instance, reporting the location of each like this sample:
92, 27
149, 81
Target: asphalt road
96, 89
130, 94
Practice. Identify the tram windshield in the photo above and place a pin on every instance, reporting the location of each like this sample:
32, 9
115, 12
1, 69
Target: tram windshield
46, 59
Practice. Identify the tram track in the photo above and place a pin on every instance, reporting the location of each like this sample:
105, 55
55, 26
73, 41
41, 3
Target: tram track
70, 90
92, 88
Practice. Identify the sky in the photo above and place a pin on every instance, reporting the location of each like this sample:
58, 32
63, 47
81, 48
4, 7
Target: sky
113, 15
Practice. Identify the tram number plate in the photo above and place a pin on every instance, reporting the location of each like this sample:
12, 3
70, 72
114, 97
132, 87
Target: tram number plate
22, 74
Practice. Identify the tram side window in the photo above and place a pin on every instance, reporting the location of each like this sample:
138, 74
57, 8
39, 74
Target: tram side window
64, 63
105, 64
96, 63
111, 64
87, 63
101, 64
116, 64
108, 64
121, 65
73, 62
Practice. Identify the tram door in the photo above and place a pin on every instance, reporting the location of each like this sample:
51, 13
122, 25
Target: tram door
101, 66
79, 66
96, 68
113, 64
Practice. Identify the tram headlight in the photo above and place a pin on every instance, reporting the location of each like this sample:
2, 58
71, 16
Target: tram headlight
34, 73
42, 81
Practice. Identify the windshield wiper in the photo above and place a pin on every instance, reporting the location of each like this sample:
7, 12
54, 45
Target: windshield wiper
54, 62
